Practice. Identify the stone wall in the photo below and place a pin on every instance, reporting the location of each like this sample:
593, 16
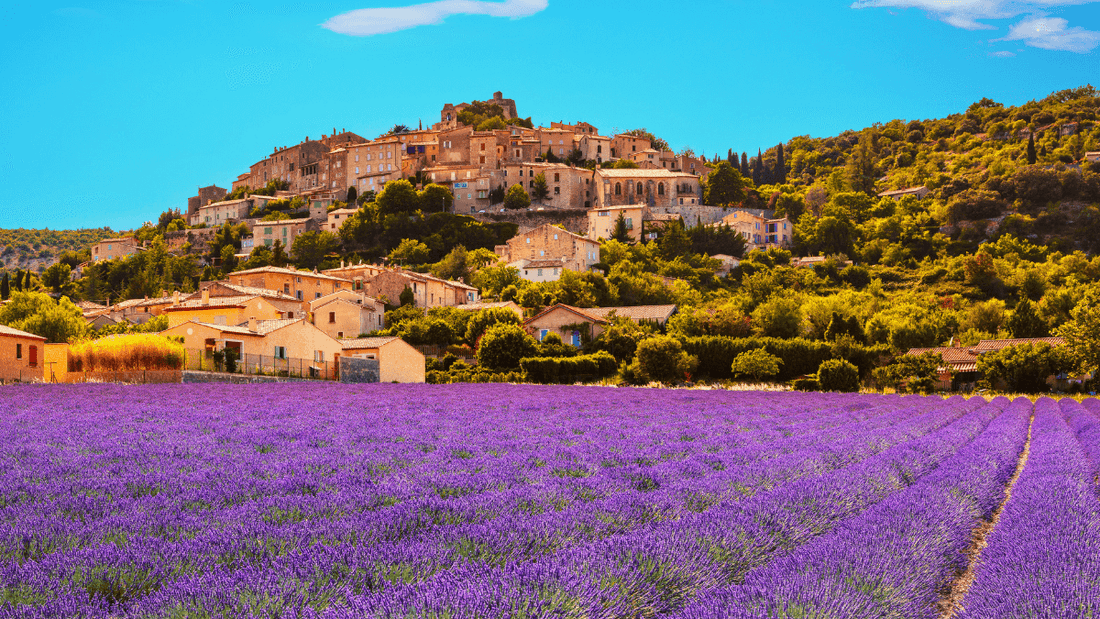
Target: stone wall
355, 370
238, 379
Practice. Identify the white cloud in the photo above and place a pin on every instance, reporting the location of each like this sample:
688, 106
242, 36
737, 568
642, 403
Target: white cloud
369, 22
1002, 54
967, 13
1053, 33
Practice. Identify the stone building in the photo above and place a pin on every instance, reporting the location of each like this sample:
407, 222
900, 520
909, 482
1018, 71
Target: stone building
112, 249
602, 221
428, 291
300, 165
594, 147
569, 187
558, 141
284, 231
623, 146
659, 187
205, 196
548, 242
302, 285
448, 116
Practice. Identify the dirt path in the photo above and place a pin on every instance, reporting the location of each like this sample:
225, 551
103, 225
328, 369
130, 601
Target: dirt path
951, 601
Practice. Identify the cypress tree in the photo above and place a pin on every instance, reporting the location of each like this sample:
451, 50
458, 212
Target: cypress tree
757, 175
17, 283
744, 164
1031, 158
27, 280
5, 288
780, 166
730, 158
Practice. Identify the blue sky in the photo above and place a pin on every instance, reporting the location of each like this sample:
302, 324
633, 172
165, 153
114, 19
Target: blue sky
115, 110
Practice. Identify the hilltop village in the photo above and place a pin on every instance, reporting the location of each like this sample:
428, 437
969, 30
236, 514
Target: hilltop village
924, 242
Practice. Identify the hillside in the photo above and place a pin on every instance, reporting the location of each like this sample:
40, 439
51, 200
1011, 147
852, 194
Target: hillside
35, 250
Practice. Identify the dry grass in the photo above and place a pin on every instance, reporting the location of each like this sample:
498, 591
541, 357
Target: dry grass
121, 353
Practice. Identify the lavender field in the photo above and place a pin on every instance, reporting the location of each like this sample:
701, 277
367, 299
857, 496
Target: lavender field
486, 501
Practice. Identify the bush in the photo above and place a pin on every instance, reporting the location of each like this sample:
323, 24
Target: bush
805, 383
756, 364
503, 345
838, 375
662, 359
1024, 368
550, 370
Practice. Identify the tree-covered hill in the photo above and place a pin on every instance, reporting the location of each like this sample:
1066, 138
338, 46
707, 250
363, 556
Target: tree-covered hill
31, 249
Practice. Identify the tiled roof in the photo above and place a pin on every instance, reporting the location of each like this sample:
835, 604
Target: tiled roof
991, 345
282, 271
227, 328
368, 342
637, 312
263, 327
197, 303
156, 301
661, 173
4, 330
121, 305
474, 307
899, 192
542, 264
88, 305
253, 291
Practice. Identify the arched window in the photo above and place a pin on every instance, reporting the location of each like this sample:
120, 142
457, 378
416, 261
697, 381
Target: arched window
660, 189
618, 189
639, 188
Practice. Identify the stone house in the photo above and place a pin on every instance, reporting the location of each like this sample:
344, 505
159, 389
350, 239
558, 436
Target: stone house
338, 218
22, 356
1092, 157
428, 291
222, 310
539, 270
113, 249
205, 196
265, 345
373, 164
602, 221
398, 362
655, 188
558, 141
218, 213
287, 305
760, 229
357, 274
575, 324
897, 194
284, 231
594, 147
569, 187
549, 242
624, 146
347, 314
301, 285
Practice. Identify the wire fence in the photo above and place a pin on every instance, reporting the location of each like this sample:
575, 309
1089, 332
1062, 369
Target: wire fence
261, 365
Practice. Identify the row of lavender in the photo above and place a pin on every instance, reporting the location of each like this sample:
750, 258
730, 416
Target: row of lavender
486, 501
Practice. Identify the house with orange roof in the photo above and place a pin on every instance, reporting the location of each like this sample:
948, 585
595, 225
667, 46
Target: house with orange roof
301, 285
398, 361
21, 356
347, 314
222, 310
575, 324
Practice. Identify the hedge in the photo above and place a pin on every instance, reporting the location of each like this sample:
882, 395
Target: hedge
800, 356
550, 370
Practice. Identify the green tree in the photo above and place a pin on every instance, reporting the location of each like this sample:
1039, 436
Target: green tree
58, 277
37, 313
756, 364
435, 199
409, 253
516, 198
480, 322
1024, 368
352, 195
1031, 157
724, 186
779, 316
453, 266
662, 359
310, 248
621, 232
838, 375
1082, 333
397, 198
540, 190
5, 288
407, 297
912, 373
503, 345
1025, 321
624, 164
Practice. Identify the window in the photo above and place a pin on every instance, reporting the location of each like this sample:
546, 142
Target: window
298, 293
660, 189
557, 191
618, 189
280, 352
639, 188
319, 356
543, 333
18, 351
557, 177
483, 146
540, 272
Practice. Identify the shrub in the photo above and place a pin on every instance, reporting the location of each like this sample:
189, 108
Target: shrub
662, 359
838, 375
551, 370
503, 345
1024, 368
756, 364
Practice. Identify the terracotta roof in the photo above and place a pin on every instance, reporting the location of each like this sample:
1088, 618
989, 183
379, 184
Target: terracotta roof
367, 342
542, 264
227, 328
583, 313
156, 301
251, 290
263, 327
474, 307
640, 173
637, 312
4, 330
197, 303
282, 271
992, 345
88, 305
121, 305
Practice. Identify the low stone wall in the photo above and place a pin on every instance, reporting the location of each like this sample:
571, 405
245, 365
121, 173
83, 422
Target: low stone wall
355, 370
238, 379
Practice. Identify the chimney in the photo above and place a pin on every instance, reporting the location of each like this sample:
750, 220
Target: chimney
253, 324
206, 296
176, 298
